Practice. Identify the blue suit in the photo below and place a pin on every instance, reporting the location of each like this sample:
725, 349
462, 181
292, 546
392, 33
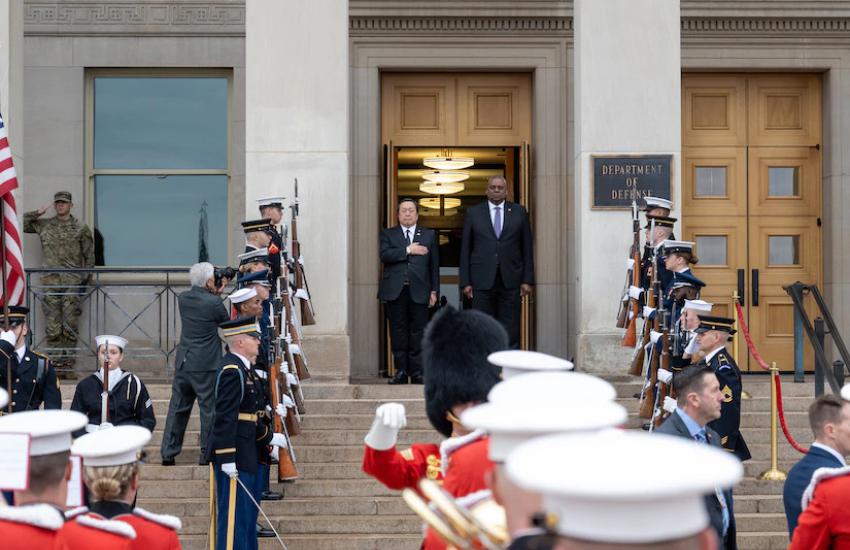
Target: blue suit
798, 479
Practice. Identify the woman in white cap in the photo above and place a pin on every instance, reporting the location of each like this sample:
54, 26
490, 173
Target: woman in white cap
128, 401
111, 473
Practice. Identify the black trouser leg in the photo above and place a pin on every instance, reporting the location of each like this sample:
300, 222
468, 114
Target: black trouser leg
417, 315
484, 301
508, 311
397, 315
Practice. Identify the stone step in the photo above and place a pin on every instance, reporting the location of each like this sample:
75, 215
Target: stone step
322, 542
290, 506
760, 522
761, 540
303, 488
408, 524
322, 437
752, 504
154, 473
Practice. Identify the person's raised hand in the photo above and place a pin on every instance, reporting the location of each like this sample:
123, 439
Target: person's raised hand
417, 249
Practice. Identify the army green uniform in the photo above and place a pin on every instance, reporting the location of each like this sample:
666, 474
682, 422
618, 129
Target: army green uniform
64, 244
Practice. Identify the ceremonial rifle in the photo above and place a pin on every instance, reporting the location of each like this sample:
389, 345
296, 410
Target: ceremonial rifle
663, 389
286, 470
647, 405
630, 338
638, 357
299, 359
308, 316
104, 394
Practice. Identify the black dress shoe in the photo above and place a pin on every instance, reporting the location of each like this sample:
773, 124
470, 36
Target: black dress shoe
168, 461
416, 380
264, 532
399, 378
271, 495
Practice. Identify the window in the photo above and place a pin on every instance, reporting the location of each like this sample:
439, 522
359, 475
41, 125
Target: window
710, 181
159, 167
783, 250
783, 181
711, 249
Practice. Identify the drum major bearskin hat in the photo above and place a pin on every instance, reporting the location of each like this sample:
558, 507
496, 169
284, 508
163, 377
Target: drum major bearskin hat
454, 361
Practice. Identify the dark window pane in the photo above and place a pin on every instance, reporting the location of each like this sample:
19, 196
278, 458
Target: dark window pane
152, 122
155, 221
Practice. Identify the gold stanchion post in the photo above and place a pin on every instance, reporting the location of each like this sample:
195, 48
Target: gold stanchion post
773, 473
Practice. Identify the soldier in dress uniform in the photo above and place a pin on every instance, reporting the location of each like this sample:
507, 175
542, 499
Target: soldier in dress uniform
687, 324
36, 520
65, 242
254, 260
272, 208
712, 334
237, 437
128, 401
34, 381
678, 257
657, 206
257, 234
111, 469
592, 501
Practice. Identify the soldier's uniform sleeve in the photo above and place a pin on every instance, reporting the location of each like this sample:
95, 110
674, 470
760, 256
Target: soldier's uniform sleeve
51, 394
6, 351
86, 246
814, 528
144, 408
31, 222
403, 469
730, 410
229, 395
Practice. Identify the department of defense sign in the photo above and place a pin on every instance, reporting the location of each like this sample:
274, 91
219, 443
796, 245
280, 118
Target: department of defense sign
619, 180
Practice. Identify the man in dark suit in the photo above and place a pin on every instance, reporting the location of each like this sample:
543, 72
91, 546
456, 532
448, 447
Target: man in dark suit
829, 417
409, 286
497, 257
699, 402
198, 355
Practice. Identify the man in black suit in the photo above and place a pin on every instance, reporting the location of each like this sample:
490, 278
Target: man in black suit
198, 355
497, 257
829, 417
699, 402
409, 286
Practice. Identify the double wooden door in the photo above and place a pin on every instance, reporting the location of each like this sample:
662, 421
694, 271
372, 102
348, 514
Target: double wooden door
751, 186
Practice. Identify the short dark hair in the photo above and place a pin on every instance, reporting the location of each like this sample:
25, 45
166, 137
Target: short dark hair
408, 199
691, 379
826, 409
47, 471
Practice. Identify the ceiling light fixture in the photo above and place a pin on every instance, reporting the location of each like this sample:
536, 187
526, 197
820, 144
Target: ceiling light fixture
434, 203
445, 176
448, 163
438, 188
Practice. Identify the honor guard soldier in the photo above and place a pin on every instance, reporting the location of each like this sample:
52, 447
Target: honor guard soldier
259, 235
712, 334
541, 403
678, 257
272, 208
591, 501
36, 520
688, 322
658, 230
111, 465
128, 401
34, 381
234, 447
254, 260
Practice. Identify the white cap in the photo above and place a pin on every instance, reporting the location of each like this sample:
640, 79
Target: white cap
49, 430
4, 398
113, 447
271, 201
845, 392
242, 295
112, 339
515, 362
552, 387
700, 306
657, 202
511, 424
596, 497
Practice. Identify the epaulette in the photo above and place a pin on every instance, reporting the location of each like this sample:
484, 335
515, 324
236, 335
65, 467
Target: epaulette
119, 528
452, 444
172, 522
44, 516
74, 512
39, 354
821, 474
229, 367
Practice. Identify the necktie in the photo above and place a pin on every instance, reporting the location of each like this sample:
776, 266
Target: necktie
700, 438
407, 236
497, 222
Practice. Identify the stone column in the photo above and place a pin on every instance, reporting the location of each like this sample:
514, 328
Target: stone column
12, 81
297, 126
627, 101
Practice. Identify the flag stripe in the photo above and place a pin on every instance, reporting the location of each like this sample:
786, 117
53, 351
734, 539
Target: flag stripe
13, 261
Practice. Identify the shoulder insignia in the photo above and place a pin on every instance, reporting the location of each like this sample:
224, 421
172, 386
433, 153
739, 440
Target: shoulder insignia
38, 515
724, 440
821, 474
727, 394
110, 526
407, 454
433, 470
229, 367
172, 522
39, 354
722, 359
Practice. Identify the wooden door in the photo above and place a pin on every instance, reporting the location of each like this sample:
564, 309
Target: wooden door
751, 197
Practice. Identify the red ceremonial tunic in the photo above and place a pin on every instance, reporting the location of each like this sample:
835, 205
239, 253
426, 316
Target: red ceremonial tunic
153, 531
403, 469
825, 522
89, 533
31, 526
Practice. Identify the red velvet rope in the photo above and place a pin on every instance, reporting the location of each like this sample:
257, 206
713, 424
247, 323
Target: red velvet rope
763, 364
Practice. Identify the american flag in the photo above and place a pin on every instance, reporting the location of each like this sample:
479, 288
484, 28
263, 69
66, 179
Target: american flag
14, 258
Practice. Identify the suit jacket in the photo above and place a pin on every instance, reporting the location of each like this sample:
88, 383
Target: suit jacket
423, 272
200, 314
729, 423
33, 379
798, 479
674, 425
482, 254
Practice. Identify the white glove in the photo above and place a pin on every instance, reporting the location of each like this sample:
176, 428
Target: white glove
294, 348
665, 376
279, 440
647, 311
692, 347
105, 426
635, 292
654, 336
261, 373
302, 294
91, 428
287, 401
8, 336
630, 264
291, 380
280, 410
275, 454
229, 468
670, 404
389, 419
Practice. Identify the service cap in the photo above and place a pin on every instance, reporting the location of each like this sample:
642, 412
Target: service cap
240, 325
657, 202
700, 306
659, 221
111, 339
250, 226
593, 497
62, 196
50, 430
258, 277
258, 255
17, 315
515, 362
675, 247
242, 295
552, 387
276, 202
113, 447
710, 322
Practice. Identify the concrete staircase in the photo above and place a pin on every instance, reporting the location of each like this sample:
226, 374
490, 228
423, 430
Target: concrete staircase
334, 505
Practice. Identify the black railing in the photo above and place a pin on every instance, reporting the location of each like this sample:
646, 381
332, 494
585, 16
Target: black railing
139, 304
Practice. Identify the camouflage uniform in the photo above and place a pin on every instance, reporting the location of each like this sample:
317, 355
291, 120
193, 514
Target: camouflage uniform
64, 244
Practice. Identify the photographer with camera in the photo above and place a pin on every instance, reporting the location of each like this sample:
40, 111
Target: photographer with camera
198, 354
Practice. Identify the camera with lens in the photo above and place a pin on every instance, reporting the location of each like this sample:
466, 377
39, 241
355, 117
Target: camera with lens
225, 272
